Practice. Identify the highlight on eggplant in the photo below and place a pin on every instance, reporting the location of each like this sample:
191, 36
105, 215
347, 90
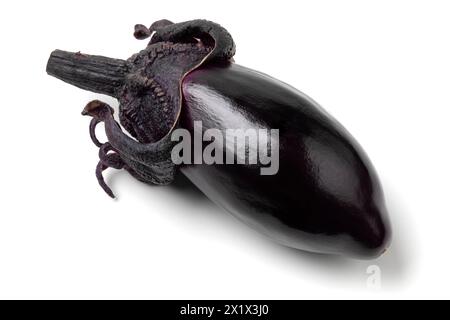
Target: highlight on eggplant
325, 195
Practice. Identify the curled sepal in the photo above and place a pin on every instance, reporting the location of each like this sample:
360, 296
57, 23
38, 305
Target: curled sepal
210, 33
142, 32
148, 162
151, 97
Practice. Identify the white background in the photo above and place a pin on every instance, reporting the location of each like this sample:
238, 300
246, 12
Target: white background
381, 67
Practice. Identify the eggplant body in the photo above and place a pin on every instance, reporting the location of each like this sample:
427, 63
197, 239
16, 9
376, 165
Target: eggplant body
326, 196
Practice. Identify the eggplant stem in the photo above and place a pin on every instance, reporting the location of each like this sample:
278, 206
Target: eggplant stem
89, 72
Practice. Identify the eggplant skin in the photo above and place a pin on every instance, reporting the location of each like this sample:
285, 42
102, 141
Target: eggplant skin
326, 196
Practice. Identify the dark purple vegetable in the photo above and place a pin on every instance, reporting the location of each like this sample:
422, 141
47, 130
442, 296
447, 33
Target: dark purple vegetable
325, 197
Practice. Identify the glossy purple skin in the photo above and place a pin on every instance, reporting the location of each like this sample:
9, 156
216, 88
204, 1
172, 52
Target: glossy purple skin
326, 196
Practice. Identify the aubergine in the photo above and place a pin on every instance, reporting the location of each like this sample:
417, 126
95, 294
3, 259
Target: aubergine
325, 195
